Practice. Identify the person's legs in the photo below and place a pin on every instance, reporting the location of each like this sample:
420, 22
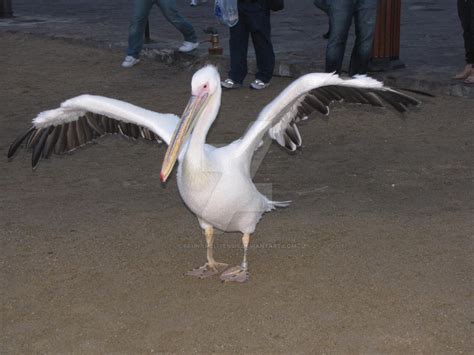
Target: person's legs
238, 46
365, 16
168, 7
262, 44
340, 18
322, 5
141, 10
470, 40
470, 46
466, 16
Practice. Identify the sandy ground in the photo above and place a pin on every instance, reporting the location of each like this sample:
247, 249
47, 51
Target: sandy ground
373, 256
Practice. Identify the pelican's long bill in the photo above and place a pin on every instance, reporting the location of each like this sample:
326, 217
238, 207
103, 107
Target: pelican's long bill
182, 132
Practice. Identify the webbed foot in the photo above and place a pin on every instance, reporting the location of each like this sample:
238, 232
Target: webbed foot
235, 274
207, 270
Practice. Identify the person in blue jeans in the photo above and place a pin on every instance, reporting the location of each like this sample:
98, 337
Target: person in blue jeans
141, 10
466, 15
254, 21
341, 13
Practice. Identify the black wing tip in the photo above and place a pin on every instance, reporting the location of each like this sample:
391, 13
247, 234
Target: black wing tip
291, 150
34, 165
11, 152
75, 134
39, 146
412, 101
17, 143
398, 100
292, 139
419, 92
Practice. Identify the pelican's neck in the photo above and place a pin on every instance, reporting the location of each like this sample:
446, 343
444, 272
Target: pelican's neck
203, 124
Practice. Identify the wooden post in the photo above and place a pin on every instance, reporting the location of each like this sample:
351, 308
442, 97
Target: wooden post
386, 48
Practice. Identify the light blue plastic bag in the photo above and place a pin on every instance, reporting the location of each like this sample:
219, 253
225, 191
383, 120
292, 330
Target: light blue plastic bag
226, 12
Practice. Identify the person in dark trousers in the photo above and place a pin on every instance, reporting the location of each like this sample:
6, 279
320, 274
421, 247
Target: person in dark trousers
141, 10
341, 13
466, 15
254, 21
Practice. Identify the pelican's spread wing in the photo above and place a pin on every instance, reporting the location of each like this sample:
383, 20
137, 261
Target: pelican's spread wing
315, 92
83, 118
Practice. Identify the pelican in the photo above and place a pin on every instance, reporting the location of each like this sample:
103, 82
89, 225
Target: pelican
214, 183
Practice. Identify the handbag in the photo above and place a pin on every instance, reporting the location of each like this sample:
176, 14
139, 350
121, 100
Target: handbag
226, 12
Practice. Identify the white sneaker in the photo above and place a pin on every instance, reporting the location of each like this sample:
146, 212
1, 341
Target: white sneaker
193, 3
188, 46
130, 61
257, 84
230, 84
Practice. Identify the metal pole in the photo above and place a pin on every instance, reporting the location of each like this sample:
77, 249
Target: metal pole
6, 9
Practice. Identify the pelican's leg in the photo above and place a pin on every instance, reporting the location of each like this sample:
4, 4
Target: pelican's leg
239, 273
211, 267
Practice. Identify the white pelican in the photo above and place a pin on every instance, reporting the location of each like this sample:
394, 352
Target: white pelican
215, 183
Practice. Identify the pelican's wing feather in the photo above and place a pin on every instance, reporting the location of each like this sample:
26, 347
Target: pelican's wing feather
315, 92
84, 118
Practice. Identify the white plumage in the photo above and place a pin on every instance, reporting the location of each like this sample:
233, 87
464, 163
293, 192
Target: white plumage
71, 110
215, 183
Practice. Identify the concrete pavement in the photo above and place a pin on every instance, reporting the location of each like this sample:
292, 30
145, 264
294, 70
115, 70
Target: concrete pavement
431, 36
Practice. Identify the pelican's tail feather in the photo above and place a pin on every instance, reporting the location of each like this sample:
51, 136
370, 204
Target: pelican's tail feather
277, 204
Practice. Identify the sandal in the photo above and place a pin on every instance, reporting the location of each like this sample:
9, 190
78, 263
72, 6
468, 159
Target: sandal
469, 80
468, 71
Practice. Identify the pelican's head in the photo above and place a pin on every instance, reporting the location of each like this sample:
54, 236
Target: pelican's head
204, 85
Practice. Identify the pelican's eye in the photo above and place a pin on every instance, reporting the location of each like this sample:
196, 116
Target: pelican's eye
204, 89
